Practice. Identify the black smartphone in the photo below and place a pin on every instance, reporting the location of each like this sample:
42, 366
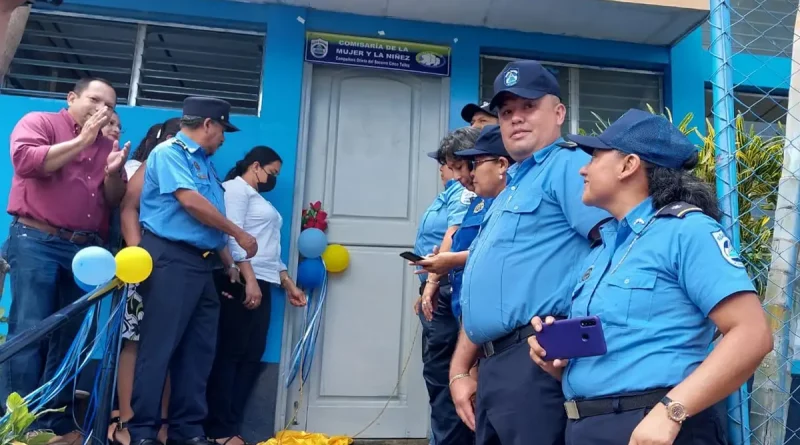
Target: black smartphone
411, 256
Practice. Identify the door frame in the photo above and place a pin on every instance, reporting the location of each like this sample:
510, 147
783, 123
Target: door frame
292, 320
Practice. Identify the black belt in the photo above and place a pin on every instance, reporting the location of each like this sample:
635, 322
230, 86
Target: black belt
204, 253
501, 344
580, 409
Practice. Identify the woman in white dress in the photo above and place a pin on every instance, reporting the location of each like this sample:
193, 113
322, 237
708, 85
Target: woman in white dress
245, 310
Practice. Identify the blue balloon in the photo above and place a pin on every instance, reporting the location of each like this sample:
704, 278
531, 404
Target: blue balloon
310, 273
312, 243
85, 287
94, 266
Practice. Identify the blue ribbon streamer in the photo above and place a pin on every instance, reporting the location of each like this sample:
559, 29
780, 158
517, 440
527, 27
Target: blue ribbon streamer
306, 345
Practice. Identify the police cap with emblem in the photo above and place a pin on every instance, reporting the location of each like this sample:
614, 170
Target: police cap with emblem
527, 79
210, 108
651, 137
490, 142
469, 111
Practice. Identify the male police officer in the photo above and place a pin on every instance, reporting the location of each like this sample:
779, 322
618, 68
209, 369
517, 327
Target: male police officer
183, 219
479, 116
520, 265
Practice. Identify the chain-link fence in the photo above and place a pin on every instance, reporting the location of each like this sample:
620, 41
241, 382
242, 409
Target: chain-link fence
752, 152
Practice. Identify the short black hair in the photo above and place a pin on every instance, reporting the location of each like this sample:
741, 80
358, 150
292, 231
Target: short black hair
82, 84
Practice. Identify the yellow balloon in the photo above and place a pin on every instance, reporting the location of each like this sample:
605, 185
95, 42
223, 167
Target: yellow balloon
134, 264
336, 258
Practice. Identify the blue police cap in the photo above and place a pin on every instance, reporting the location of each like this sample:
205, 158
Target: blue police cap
433, 155
524, 78
489, 143
211, 108
651, 137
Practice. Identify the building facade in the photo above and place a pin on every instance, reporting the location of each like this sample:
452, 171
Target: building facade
354, 137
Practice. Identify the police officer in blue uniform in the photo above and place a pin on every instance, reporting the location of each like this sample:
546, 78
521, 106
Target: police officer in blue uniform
488, 149
479, 116
439, 335
663, 277
521, 265
182, 213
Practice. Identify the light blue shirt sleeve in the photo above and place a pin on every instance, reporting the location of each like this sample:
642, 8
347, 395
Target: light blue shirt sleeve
172, 171
709, 268
568, 190
457, 205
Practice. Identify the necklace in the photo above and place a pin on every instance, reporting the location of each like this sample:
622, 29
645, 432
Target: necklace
636, 238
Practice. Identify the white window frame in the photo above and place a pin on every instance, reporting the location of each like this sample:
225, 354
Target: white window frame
574, 77
140, 39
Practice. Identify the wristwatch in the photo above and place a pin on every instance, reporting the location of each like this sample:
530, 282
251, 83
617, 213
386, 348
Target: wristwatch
675, 410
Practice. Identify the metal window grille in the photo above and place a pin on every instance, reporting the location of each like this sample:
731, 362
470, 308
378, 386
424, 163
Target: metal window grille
149, 64
56, 51
587, 91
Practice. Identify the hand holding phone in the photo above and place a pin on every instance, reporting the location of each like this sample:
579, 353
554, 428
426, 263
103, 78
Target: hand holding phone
411, 256
572, 338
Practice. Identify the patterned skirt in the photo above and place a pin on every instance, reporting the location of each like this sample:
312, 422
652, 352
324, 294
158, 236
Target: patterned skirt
134, 311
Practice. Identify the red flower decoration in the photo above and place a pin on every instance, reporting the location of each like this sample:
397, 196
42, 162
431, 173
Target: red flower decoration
314, 217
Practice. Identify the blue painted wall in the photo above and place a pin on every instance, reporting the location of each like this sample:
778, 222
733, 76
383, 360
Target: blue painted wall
278, 124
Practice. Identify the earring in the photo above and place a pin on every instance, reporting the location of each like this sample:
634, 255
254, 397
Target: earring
501, 176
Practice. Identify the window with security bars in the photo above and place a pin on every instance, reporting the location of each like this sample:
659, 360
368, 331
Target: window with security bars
148, 64
763, 113
587, 92
764, 27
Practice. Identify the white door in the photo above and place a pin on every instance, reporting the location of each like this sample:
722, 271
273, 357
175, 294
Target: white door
368, 135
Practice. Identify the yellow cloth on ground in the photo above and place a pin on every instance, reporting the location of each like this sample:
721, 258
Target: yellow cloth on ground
291, 437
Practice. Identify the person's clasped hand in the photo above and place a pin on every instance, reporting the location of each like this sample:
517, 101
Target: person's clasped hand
655, 429
555, 367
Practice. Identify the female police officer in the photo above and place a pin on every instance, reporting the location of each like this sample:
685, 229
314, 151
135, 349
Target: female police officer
664, 275
439, 335
480, 170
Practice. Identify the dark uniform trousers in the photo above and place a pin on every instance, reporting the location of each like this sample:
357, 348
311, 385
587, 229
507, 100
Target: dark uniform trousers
705, 428
177, 333
241, 341
517, 402
439, 338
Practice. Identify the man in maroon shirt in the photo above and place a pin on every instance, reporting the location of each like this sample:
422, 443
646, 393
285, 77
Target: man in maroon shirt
67, 178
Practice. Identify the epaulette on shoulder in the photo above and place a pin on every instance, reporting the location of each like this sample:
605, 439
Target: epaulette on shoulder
180, 143
568, 145
677, 210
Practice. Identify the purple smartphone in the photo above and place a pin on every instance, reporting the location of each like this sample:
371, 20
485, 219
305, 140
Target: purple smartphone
573, 338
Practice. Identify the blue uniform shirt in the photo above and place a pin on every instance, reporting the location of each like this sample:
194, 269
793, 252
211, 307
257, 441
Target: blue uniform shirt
180, 163
462, 239
447, 210
654, 304
523, 261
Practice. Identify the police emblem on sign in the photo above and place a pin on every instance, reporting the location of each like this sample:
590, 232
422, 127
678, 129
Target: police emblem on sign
511, 77
726, 249
318, 48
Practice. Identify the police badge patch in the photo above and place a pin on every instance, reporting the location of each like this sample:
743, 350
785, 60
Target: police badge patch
478, 207
726, 249
511, 77
466, 197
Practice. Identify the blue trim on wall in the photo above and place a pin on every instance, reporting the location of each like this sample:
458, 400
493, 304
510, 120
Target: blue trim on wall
278, 125
684, 84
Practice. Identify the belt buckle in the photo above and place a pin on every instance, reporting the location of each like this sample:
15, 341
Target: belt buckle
78, 238
571, 407
488, 349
